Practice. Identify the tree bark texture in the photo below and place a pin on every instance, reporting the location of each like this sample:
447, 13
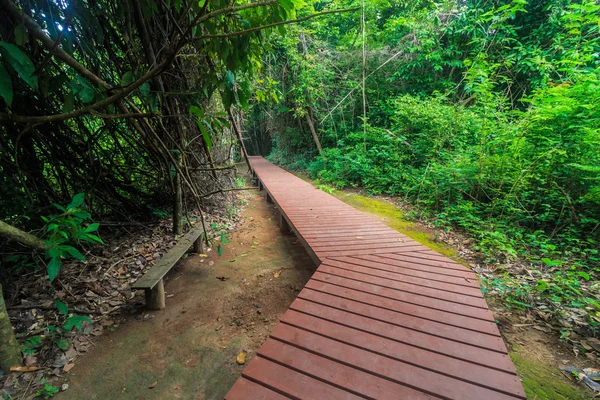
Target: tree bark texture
313, 132
12, 233
10, 352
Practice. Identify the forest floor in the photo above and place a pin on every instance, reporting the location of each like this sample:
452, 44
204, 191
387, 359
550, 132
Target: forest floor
189, 349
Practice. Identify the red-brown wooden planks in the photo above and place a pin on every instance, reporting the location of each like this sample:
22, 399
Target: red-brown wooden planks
332, 371
383, 317
290, 382
378, 365
245, 389
415, 281
409, 270
425, 358
468, 276
463, 351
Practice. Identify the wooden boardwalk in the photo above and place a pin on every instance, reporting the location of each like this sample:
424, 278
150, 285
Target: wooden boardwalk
383, 317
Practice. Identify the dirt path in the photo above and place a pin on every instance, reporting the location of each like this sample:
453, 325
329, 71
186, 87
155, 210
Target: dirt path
188, 350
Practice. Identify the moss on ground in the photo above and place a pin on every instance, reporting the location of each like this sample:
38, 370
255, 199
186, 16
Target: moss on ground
541, 382
394, 218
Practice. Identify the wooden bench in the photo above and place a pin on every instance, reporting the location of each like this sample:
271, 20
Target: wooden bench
152, 280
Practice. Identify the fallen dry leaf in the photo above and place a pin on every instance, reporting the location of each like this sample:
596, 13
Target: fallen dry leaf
30, 361
276, 274
241, 358
68, 367
153, 385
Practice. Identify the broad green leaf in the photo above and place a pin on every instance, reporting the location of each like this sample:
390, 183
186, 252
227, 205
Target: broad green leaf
145, 89
197, 111
21, 63
153, 101
75, 321
229, 79
92, 227
21, 35
69, 102
127, 79
74, 252
62, 307
205, 134
83, 90
6, 88
63, 344
92, 238
77, 201
227, 98
82, 214
242, 98
54, 268
53, 251
584, 275
287, 6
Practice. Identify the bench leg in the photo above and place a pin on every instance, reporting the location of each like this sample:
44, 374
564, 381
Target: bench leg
198, 246
155, 298
283, 225
269, 198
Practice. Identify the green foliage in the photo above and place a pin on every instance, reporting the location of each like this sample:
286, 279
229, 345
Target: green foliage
483, 114
6, 89
62, 307
222, 237
30, 346
67, 229
325, 188
21, 63
47, 391
75, 321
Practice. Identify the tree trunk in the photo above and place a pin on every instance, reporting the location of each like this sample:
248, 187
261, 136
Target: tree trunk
313, 132
10, 352
177, 206
12, 233
240, 139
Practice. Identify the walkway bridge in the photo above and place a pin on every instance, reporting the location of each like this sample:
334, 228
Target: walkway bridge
383, 317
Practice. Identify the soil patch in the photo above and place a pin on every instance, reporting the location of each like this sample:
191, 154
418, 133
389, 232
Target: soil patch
189, 349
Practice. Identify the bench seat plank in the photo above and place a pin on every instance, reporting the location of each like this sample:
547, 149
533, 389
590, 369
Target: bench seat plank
155, 274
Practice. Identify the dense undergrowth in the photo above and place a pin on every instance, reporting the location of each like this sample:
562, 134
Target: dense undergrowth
525, 184
515, 185
487, 123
